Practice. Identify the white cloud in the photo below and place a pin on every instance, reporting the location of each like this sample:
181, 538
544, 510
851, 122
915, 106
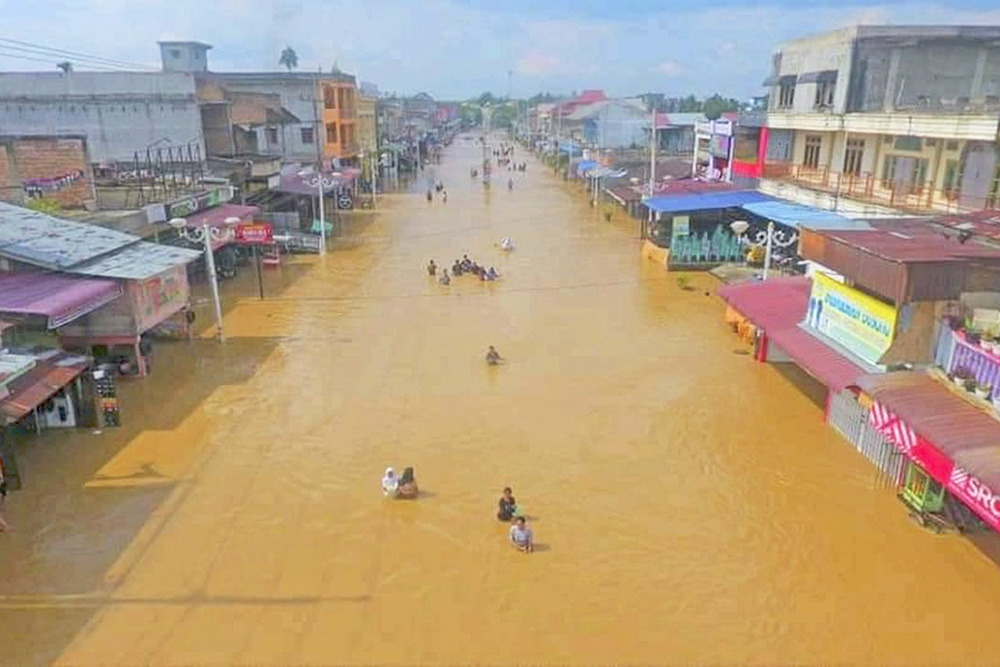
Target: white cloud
669, 68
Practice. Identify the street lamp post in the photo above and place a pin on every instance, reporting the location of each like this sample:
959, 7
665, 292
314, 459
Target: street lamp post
767, 248
206, 235
739, 228
321, 184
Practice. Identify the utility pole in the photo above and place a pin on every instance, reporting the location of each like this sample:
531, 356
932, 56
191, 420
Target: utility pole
652, 162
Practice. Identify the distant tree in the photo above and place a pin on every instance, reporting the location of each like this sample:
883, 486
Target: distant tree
289, 59
716, 105
689, 104
487, 98
65, 66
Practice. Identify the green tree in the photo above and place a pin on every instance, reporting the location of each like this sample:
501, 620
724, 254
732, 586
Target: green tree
65, 66
289, 59
716, 105
689, 104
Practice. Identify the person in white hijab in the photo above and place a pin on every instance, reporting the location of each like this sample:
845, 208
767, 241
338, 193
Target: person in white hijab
390, 483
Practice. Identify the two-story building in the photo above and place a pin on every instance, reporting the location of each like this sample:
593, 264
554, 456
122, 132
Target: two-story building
878, 119
315, 117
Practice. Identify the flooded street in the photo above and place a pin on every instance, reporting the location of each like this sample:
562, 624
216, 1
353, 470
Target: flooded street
689, 504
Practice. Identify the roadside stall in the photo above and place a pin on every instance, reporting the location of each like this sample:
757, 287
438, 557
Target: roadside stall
155, 283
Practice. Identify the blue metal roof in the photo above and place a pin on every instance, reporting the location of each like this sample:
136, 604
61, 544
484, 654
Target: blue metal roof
570, 147
796, 215
707, 201
53, 243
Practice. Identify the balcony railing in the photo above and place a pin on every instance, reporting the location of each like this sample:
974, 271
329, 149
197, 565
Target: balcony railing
867, 187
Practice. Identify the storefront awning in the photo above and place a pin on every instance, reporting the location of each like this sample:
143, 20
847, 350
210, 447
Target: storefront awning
778, 306
704, 202
798, 215
957, 442
59, 298
824, 76
217, 215
30, 390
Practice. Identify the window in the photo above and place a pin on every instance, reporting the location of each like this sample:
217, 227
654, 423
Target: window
854, 153
786, 95
307, 135
272, 135
331, 133
175, 54
951, 146
904, 174
813, 144
329, 97
747, 144
952, 179
907, 144
994, 198
824, 94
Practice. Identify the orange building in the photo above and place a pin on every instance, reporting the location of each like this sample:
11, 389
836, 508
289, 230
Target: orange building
340, 118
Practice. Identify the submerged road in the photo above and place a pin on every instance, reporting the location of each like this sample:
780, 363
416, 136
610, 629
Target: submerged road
689, 504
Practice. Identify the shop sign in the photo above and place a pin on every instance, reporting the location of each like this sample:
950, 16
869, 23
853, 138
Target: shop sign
682, 225
972, 491
255, 233
199, 202
864, 325
159, 297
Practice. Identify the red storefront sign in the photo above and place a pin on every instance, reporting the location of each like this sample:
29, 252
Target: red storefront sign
983, 500
255, 233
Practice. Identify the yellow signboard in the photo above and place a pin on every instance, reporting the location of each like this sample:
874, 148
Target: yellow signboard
862, 324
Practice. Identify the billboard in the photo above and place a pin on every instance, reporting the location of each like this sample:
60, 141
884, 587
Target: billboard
862, 324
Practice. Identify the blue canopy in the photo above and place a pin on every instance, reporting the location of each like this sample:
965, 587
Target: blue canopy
584, 166
704, 202
796, 215
570, 147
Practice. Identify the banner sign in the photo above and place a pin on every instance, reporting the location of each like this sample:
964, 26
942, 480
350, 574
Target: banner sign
864, 325
199, 202
255, 233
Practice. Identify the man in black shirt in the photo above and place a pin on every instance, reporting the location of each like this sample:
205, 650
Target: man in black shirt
508, 505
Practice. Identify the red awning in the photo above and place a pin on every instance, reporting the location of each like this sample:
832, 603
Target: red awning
771, 304
816, 357
38, 385
216, 216
778, 306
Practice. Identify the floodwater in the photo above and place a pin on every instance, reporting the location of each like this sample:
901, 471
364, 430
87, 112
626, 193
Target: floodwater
689, 505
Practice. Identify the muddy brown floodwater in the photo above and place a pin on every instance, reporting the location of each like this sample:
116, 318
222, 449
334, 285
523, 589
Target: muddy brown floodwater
689, 504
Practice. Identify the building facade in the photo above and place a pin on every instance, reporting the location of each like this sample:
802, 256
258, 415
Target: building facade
880, 118
121, 114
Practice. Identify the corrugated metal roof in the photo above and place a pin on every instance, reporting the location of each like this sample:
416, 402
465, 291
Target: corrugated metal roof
53, 243
138, 262
777, 303
964, 432
778, 306
692, 186
796, 215
702, 202
52, 372
984, 223
912, 243
216, 216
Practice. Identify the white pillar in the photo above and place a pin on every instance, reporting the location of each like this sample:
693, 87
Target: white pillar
767, 249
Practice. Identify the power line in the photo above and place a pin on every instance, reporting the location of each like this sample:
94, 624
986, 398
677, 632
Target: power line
40, 60
63, 53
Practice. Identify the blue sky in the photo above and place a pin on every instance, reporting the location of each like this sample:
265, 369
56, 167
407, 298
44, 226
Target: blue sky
456, 48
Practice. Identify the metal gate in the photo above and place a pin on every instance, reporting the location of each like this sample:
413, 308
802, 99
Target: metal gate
851, 421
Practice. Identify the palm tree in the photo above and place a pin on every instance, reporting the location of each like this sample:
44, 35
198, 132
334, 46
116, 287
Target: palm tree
65, 66
289, 58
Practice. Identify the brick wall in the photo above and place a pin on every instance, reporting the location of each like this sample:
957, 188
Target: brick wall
26, 158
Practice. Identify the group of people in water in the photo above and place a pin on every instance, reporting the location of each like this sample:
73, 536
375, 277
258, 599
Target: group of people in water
519, 535
439, 188
465, 265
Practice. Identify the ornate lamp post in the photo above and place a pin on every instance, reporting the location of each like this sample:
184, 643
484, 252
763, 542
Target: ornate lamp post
321, 183
207, 235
